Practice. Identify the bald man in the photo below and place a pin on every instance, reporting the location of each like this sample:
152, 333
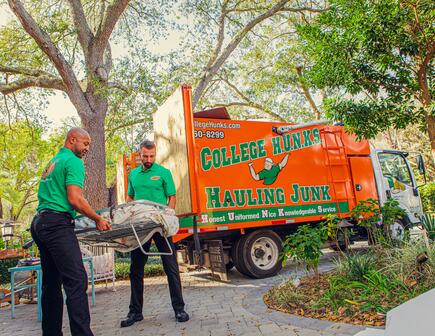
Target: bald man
60, 195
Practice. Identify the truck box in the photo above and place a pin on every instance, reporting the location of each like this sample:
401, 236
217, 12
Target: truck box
238, 179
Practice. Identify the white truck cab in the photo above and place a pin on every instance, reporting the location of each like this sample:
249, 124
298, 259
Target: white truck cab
395, 179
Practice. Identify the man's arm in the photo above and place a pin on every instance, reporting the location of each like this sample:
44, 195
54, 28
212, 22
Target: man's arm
253, 173
283, 162
79, 203
171, 201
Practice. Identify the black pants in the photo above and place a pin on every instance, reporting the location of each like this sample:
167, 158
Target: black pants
62, 264
170, 265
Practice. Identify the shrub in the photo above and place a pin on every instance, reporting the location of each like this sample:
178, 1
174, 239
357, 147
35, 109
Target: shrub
427, 194
305, 246
401, 264
5, 276
122, 270
367, 215
356, 266
428, 223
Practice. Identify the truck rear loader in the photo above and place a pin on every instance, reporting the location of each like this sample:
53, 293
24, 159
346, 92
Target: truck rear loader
248, 184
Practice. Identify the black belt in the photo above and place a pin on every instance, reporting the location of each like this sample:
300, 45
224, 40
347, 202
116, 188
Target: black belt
55, 212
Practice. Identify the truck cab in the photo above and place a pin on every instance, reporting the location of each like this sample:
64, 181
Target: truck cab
395, 179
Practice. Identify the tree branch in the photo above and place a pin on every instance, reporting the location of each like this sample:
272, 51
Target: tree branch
127, 124
307, 93
108, 23
41, 81
211, 71
249, 102
85, 34
118, 86
45, 43
304, 9
221, 34
23, 71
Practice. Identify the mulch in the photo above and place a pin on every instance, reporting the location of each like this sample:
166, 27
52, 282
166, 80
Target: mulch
309, 291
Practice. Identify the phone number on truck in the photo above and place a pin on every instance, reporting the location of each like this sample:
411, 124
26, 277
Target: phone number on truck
209, 134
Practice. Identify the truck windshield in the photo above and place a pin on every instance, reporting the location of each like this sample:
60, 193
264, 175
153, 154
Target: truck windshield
395, 169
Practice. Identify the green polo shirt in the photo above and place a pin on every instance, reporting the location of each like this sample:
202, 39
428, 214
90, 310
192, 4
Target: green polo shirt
154, 184
64, 169
269, 176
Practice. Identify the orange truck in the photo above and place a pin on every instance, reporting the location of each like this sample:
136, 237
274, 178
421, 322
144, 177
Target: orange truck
248, 184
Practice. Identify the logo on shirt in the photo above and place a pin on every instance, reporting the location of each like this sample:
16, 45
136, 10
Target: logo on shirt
155, 178
47, 171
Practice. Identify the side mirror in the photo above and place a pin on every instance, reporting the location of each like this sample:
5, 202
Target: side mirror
421, 167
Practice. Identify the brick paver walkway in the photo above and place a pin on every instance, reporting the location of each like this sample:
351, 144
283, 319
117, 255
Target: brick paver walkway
215, 309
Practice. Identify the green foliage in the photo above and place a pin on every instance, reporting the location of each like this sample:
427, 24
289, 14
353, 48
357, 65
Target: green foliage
286, 295
375, 291
122, 270
356, 266
369, 215
362, 282
400, 263
331, 223
305, 246
335, 233
5, 276
23, 157
391, 211
427, 194
372, 50
428, 223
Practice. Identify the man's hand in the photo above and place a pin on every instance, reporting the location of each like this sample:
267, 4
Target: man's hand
169, 212
102, 224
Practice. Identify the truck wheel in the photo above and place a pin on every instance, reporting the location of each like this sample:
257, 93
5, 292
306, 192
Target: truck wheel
398, 231
229, 266
258, 254
236, 258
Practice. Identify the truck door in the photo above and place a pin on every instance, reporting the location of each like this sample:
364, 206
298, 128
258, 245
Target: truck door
398, 182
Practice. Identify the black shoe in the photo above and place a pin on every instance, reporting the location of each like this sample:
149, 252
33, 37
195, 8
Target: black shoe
181, 316
131, 319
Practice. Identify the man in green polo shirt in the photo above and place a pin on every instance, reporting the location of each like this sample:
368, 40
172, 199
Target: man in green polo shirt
270, 172
60, 196
150, 181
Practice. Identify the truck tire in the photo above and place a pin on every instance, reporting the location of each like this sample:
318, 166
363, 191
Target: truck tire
236, 258
229, 266
257, 254
398, 231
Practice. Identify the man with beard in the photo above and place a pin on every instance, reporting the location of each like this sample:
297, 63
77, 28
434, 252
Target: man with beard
60, 196
150, 181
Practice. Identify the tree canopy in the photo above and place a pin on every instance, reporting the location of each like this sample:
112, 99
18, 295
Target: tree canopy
23, 157
378, 56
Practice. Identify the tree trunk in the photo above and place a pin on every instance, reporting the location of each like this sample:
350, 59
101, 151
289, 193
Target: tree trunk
1, 209
430, 120
95, 189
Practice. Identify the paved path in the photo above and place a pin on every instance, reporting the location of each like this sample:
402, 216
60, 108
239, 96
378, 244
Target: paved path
215, 308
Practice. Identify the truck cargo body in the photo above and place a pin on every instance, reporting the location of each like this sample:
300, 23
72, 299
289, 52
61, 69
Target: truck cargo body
250, 183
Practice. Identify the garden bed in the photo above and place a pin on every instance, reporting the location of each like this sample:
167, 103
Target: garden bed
362, 288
